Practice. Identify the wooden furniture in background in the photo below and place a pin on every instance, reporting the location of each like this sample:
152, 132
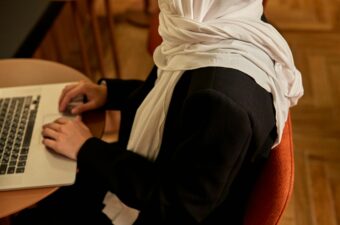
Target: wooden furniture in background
77, 31
90, 13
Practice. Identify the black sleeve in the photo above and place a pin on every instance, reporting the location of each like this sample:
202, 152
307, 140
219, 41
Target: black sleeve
214, 137
118, 91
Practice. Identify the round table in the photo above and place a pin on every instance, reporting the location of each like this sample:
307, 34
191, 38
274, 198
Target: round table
19, 72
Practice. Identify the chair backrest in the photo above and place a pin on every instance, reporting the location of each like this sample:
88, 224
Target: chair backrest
273, 190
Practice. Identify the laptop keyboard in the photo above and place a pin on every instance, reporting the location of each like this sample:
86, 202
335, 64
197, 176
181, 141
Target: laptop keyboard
17, 116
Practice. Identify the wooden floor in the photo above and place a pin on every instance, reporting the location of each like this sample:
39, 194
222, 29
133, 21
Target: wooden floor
312, 29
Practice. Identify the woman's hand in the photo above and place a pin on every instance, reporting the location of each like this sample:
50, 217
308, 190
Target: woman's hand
66, 136
95, 94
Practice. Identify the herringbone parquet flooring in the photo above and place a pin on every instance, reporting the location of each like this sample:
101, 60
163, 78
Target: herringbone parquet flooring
312, 28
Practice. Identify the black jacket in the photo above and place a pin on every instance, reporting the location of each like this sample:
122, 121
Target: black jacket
218, 132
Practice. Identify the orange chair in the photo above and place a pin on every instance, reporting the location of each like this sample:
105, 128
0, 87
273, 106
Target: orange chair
154, 39
273, 190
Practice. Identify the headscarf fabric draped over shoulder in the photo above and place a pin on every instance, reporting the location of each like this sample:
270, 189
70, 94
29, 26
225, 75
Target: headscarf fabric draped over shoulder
224, 33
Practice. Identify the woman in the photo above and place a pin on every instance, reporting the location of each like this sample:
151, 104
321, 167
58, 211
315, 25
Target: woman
195, 134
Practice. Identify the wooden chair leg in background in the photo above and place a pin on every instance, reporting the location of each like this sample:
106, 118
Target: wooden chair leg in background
92, 17
81, 40
109, 18
97, 37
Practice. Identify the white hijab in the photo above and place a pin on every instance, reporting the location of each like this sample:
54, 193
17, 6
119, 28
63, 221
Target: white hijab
224, 33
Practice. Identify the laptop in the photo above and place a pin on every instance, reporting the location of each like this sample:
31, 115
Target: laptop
24, 160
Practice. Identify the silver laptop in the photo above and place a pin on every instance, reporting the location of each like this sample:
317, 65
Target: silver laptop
24, 160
